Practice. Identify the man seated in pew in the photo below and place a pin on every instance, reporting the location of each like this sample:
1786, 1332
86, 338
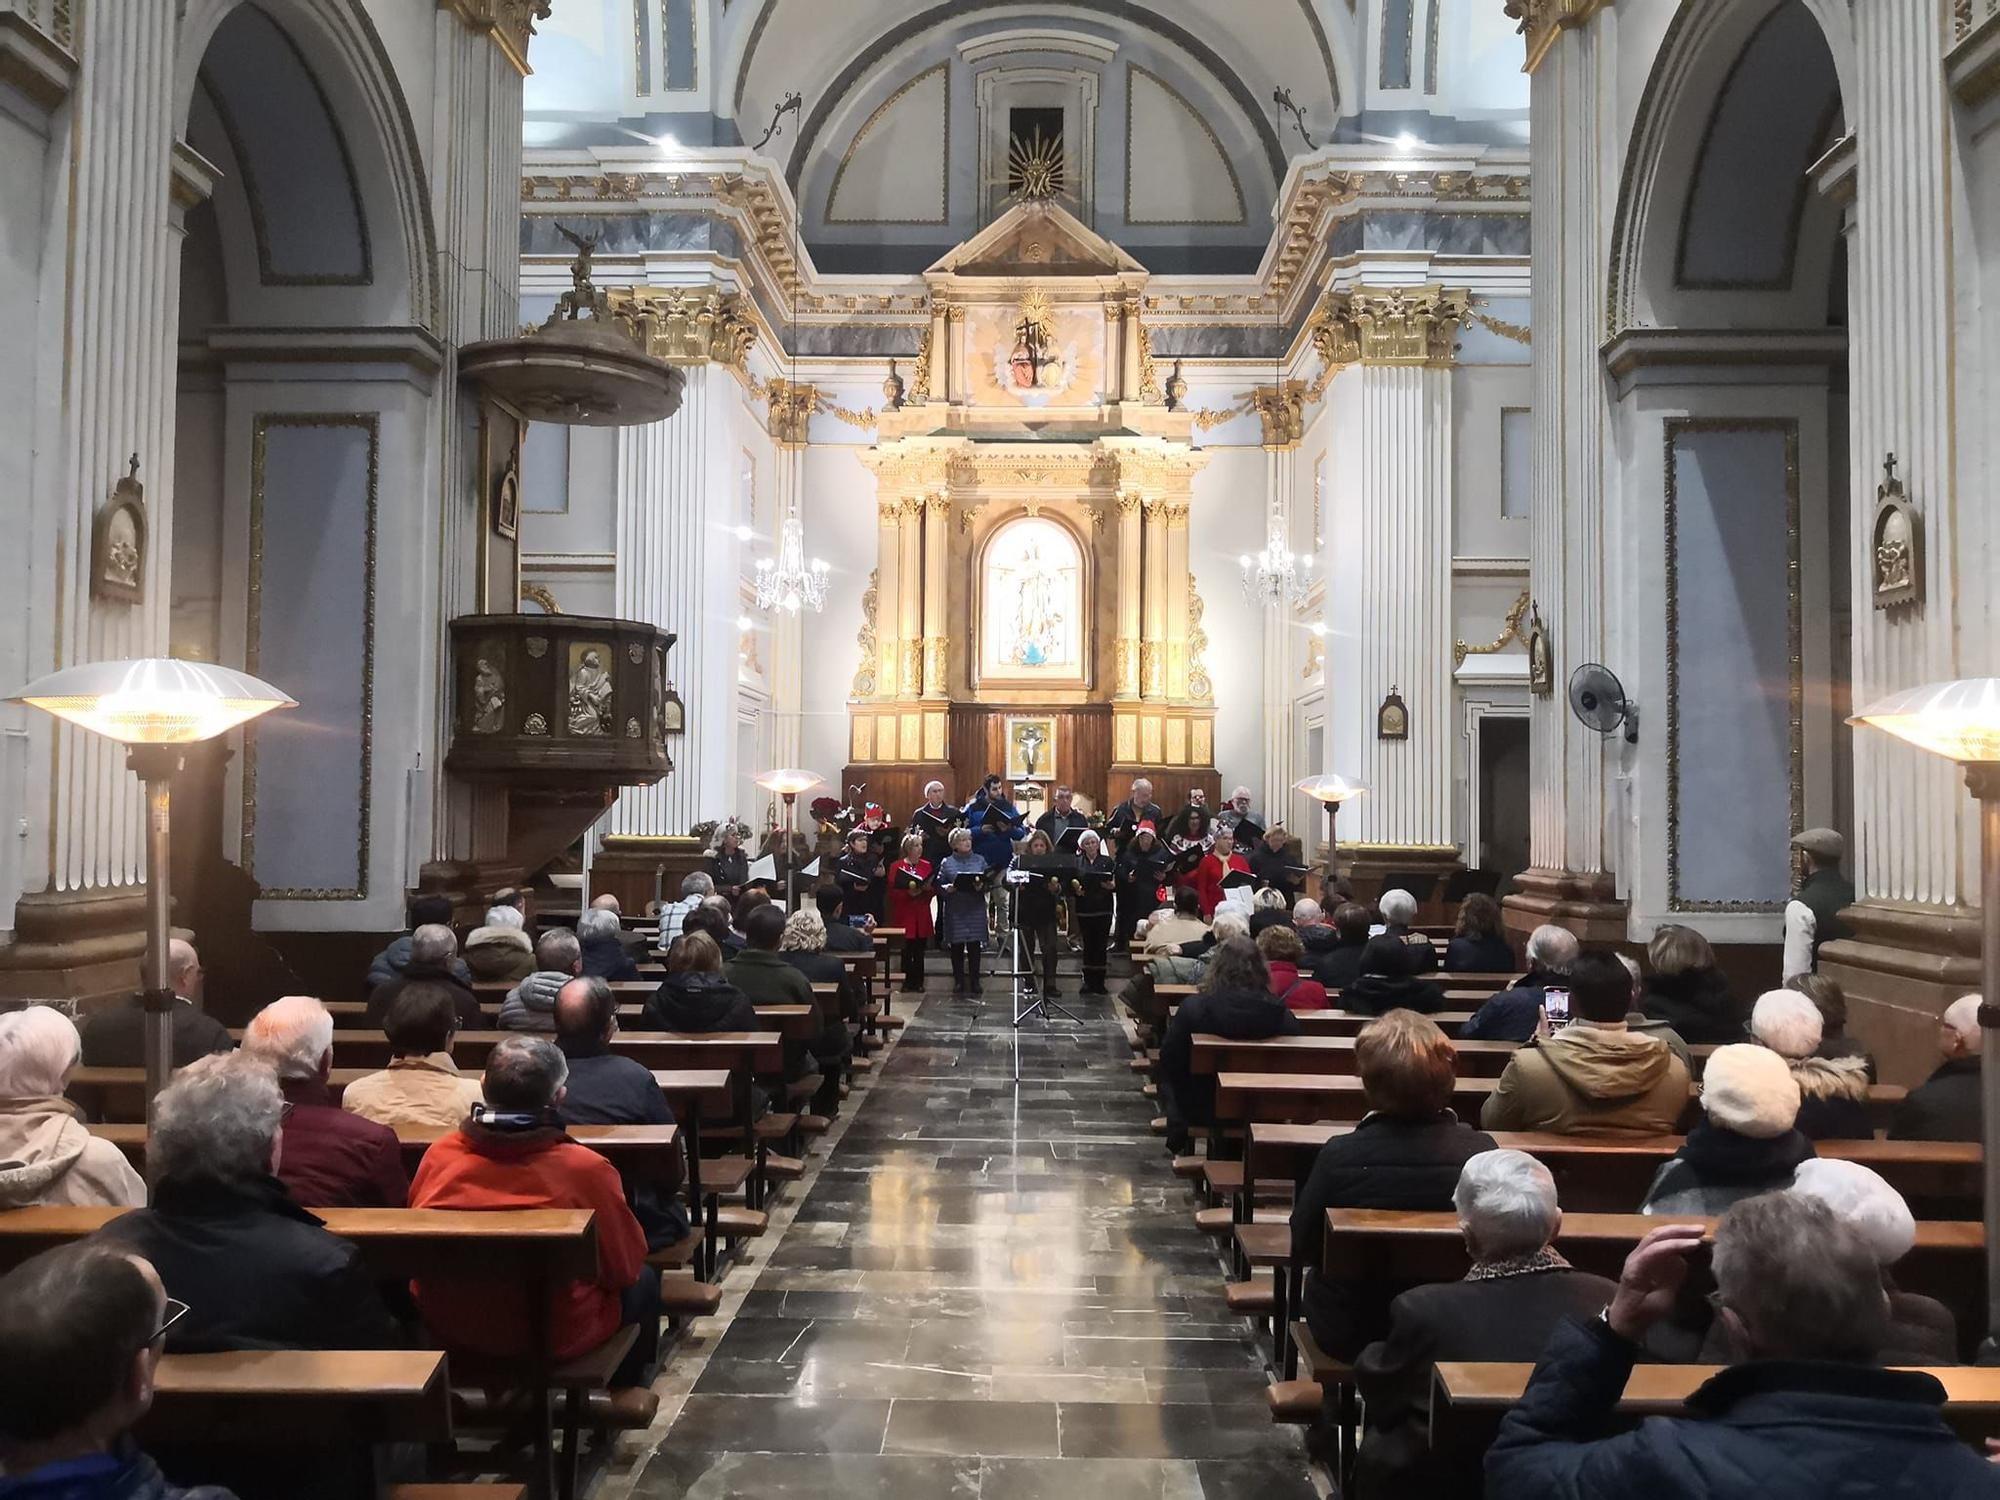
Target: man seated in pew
513, 1154
1235, 1001
422, 1085
599, 936
767, 978
1517, 1291
730, 936
1399, 912
1747, 1141
114, 1036
1479, 945
696, 887
695, 996
1386, 982
46, 1155
1807, 1414
1833, 1091
531, 1004
257, 1270
500, 948
1338, 964
1283, 953
1514, 1013
1594, 1076
604, 1088
425, 911
84, 1326
1945, 1106
331, 1159
1182, 926
1270, 907
1922, 1330
1407, 1152
1310, 923
842, 936
432, 957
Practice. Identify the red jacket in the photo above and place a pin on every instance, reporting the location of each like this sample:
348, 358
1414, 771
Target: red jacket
480, 1168
332, 1159
1297, 993
1208, 877
910, 910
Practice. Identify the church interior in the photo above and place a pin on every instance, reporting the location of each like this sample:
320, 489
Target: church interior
981, 749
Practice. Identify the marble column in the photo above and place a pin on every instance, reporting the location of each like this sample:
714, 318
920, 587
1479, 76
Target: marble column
937, 561
1390, 612
1131, 587
1571, 823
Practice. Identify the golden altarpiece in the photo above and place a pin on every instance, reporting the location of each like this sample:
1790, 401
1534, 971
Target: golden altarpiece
1032, 610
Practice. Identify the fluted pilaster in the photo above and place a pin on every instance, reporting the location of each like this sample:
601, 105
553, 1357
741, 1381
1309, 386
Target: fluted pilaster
1131, 586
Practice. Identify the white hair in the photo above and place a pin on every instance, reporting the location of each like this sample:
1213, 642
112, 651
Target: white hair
1241, 791
1229, 924
1270, 899
1552, 949
1398, 907
290, 1036
1506, 1203
1863, 1201
182, 960
596, 923
1786, 1022
433, 945
1307, 912
605, 902
38, 1047
506, 916
695, 885
217, 1119
1142, 782
1962, 1016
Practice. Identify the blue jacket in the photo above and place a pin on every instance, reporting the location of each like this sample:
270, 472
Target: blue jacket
128, 1475
1774, 1429
997, 846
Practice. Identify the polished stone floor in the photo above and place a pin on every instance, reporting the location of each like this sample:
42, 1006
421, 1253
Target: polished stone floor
987, 1289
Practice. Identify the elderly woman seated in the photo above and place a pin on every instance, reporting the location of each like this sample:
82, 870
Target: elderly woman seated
1922, 1330
501, 948
1518, 1290
46, 1155
1746, 1143
1833, 1091
802, 944
1235, 1001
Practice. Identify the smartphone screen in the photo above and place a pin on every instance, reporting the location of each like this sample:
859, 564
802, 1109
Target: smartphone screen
1555, 1005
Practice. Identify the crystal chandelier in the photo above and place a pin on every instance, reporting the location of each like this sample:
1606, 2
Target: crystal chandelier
1276, 576
788, 581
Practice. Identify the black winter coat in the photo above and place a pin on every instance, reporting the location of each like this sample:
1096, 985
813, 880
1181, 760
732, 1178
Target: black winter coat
606, 958
1698, 1005
1241, 1016
1775, 1429
1479, 955
699, 1002
1944, 1107
1338, 965
1378, 994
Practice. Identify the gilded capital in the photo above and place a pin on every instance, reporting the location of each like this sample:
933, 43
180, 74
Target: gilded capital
1129, 502
510, 23
937, 504
687, 325
1396, 325
791, 404
1541, 21
1281, 411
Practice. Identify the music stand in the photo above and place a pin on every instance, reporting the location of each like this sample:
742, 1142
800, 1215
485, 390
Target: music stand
1019, 874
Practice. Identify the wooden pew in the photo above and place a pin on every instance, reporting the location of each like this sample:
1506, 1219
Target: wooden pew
1350, 1022
1335, 1054
267, 1397
758, 1051
1468, 1401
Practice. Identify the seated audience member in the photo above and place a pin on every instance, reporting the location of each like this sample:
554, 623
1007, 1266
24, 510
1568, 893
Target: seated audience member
1746, 1142
84, 1326
1338, 964
1235, 1001
1187, 964
746, 903
1399, 910
1518, 1290
729, 937
1169, 934
696, 886
1514, 1013
513, 1154
1314, 930
1596, 1076
501, 949
1270, 907
1479, 945
1386, 983
422, 1085
425, 911
1807, 1414
842, 936
331, 1159
256, 1270
1831, 1001
1945, 1106
1922, 1330
1283, 953
802, 944
114, 1036
1406, 1153
432, 958
1833, 1092
1688, 992
47, 1157
1644, 1025
760, 971
599, 934
633, 941
531, 1004
694, 996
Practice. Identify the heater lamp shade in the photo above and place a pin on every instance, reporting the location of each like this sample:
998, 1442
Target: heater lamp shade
788, 783
154, 701
1332, 787
1957, 720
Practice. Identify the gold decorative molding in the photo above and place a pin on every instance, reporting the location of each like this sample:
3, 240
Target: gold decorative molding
1149, 372
688, 325
1514, 630
935, 662
864, 675
1514, 332
789, 406
1281, 411
510, 23
920, 378
1200, 688
538, 593
1394, 325
1542, 20
866, 418
1315, 658
912, 675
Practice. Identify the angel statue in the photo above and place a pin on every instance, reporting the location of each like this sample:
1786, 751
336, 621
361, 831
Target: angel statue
583, 292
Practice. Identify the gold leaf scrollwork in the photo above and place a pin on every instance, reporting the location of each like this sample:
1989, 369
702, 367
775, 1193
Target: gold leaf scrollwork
865, 638
1200, 688
538, 593
1512, 630
920, 379
1515, 332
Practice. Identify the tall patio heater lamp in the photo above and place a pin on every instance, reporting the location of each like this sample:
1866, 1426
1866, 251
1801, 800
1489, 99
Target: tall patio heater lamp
1330, 790
788, 784
1961, 721
152, 707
